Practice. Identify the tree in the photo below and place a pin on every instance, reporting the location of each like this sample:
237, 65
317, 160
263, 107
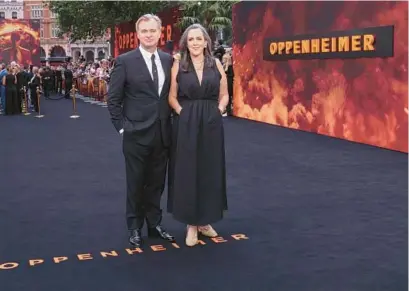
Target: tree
213, 15
90, 19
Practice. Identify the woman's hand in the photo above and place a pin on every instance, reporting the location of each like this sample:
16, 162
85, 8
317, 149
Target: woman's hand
222, 109
177, 57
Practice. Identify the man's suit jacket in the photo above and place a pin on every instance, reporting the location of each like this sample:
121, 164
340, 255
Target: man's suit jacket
133, 101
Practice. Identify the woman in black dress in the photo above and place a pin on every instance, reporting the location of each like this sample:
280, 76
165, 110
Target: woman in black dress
10, 82
197, 172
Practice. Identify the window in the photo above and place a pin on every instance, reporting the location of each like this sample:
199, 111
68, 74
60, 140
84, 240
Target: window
14, 15
2, 14
54, 30
36, 11
53, 15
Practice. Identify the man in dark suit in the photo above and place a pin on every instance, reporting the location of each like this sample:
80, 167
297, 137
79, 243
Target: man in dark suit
138, 105
68, 76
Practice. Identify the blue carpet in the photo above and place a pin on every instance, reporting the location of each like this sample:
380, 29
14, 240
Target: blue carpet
320, 213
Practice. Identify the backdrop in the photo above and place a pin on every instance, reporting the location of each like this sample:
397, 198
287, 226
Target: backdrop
20, 41
363, 100
125, 39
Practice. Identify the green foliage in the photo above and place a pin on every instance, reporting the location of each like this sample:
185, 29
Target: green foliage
213, 15
90, 19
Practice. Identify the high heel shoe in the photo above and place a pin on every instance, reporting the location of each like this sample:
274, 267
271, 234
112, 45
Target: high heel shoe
207, 230
191, 236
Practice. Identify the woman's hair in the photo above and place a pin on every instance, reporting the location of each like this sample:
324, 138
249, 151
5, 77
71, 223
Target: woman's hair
185, 60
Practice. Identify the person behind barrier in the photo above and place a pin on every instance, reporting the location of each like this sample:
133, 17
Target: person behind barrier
197, 172
137, 103
25, 77
68, 76
20, 83
228, 69
47, 81
35, 83
220, 50
29, 75
10, 82
58, 80
3, 72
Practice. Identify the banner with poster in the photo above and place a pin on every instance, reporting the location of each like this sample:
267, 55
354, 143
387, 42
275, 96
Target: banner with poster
337, 68
20, 41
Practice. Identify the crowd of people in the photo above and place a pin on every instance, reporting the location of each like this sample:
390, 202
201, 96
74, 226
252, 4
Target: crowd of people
17, 84
20, 86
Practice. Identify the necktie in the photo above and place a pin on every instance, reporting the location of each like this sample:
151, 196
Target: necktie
155, 73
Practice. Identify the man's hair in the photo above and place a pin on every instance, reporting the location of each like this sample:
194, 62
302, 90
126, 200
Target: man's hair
148, 17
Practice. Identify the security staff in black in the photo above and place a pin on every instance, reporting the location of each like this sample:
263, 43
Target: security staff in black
47, 82
68, 76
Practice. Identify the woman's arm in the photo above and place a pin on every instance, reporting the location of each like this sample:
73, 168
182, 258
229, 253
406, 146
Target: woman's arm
3, 81
224, 93
173, 92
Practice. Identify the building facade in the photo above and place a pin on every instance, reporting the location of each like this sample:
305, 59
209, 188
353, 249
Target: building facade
11, 9
54, 47
97, 50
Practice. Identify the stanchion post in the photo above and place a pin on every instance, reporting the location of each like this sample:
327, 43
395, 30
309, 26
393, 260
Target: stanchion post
105, 105
74, 104
39, 115
25, 101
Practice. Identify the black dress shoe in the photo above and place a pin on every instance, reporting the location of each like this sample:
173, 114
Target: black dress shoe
135, 238
159, 231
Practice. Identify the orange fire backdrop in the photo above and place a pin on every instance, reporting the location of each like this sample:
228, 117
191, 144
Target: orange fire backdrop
20, 41
359, 99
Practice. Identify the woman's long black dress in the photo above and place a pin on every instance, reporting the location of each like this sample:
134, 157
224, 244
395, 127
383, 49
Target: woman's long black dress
197, 172
12, 104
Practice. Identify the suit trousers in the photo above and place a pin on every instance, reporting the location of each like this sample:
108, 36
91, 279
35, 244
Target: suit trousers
34, 99
145, 178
